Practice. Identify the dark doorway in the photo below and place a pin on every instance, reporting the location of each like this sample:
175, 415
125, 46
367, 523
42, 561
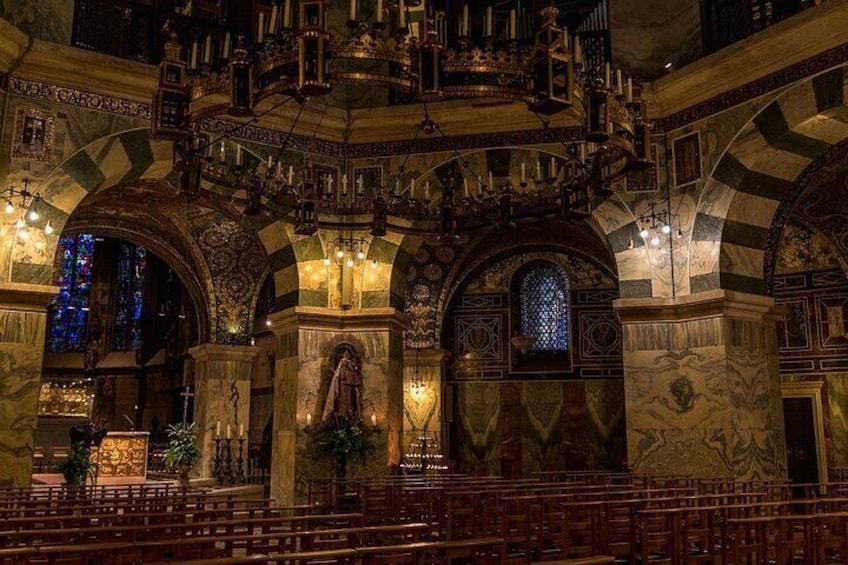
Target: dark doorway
802, 458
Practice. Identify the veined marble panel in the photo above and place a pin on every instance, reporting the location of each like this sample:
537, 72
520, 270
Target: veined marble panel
478, 413
837, 400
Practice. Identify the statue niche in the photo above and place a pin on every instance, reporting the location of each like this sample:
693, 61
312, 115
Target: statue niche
344, 396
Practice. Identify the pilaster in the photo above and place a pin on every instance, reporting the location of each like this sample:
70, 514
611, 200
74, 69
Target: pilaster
422, 406
702, 386
23, 324
221, 394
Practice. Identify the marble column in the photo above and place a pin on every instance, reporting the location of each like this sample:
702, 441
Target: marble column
306, 338
702, 387
23, 323
221, 394
422, 406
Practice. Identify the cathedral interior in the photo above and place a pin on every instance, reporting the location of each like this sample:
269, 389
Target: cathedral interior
570, 235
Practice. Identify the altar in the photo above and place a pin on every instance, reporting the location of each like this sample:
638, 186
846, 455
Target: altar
121, 458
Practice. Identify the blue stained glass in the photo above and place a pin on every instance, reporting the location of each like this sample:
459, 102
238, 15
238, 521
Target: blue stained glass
544, 307
129, 300
69, 310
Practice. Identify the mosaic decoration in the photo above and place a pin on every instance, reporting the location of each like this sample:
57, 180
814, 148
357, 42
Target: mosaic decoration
122, 455
129, 301
687, 159
544, 307
35, 132
69, 310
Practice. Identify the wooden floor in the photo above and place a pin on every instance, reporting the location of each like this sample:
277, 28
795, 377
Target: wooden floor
565, 518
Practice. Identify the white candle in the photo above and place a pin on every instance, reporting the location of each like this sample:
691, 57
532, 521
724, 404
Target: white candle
291, 175
223, 151
512, 24
226, 53
374, 420
490, 22
308, 419
465, 21
241, 430
270, 162
193, 64
287, 14
260, 36
465, 186
272, 25
279, 170
578, 50
359, 184
238, 155
207, 51
619, 84
344, 183
607, 76
379, 11
402, 14
412, 188
352, 13
523, 173
629, 95
427, 190
229, 432
538, 169
218, 429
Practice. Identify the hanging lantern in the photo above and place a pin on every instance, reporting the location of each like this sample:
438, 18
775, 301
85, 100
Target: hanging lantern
241, 81
553, 68
598, 122
378, 224
313, 41
171, 100
430, 74
642, 137
306, 211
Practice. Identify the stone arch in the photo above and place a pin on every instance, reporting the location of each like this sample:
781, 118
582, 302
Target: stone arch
759, 170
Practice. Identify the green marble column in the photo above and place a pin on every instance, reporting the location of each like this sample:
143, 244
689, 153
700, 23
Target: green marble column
702, 387
422, 406
23, 322
307, 336
222, 394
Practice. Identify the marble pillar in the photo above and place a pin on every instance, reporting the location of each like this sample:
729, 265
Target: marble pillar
23, 323
221, 394
306, 339
702, 387
422, 406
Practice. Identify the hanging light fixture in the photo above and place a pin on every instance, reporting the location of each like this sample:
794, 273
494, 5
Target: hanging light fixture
417, 384
655, 225
27, 202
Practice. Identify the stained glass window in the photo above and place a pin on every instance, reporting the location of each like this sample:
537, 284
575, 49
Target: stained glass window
129, 297
544, 307
69, 310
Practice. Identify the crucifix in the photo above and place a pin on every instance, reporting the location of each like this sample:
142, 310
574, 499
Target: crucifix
187, 395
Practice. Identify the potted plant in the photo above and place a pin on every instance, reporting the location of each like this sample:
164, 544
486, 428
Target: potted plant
182, 452
342, 437
76, 466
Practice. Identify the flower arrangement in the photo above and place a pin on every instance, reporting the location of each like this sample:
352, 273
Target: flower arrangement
342, 437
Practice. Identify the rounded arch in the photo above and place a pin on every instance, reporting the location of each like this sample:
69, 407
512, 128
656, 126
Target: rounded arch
755, 183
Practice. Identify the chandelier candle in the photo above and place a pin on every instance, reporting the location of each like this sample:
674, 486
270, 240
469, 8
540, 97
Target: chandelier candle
287, 15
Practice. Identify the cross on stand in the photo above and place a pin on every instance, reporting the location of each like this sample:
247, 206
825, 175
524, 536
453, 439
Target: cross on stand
187, 396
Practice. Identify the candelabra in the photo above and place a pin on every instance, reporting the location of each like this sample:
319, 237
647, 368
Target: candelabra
26, 203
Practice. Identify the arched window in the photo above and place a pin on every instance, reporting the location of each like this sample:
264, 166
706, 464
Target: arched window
544, 307
69, 310
129, 298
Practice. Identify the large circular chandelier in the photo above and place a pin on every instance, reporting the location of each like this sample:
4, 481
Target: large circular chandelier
294, 57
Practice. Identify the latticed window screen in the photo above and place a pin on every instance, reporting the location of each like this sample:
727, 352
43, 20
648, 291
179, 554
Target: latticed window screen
69, 311
544, 307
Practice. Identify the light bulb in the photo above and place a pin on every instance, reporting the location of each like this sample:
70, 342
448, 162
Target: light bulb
644, 233
327, 261
48, 228
21, 223
34, 215
350, 261
373, 263
268, 323
339, 253
655, 241
9, 207
666, 229
360, 255
23, 233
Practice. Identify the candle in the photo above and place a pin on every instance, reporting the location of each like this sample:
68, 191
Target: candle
512, 24
465, 21
226, 53
260, 36
629, 95
374, 420
427, 190
553, 168
607, 76
619, 84
287, 14
270, 162
291, 175
223, 151
329, 184
523, 173
272, 25
193, 64
578, 50
241, 430
207, 50
359, 184
344, 183
465, 187
379, 11
308, 419
491, 181
538, 169
490, 22
279, 170
218, 429
229, 432
238, 155
412, 188
402, 14
352, 13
